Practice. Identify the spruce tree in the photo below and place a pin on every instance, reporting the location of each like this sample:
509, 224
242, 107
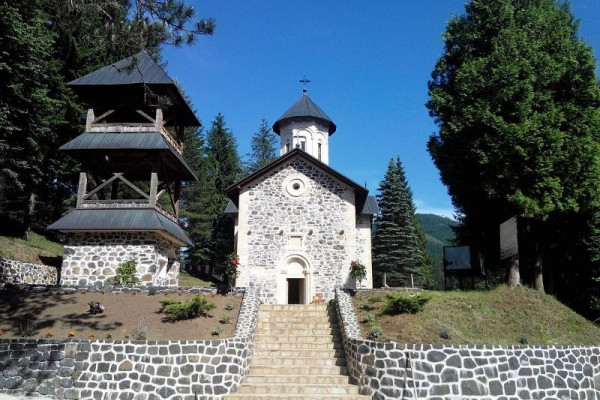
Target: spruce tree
398, 246
263, 147
223, 169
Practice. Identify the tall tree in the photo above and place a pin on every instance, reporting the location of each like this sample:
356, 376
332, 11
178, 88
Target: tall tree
263, 146
223, 169
398, 246
516, 100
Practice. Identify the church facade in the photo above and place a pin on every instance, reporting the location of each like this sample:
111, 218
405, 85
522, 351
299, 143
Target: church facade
299, 223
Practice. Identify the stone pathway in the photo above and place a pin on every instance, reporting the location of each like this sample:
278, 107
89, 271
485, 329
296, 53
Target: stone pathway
298, 354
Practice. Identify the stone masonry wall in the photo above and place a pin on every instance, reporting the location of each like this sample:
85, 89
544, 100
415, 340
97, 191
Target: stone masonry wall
13, 271
128, 370
320, 214
439, 372
91, 258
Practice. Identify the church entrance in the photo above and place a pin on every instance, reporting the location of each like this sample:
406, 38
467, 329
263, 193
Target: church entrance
293, 281
295, 291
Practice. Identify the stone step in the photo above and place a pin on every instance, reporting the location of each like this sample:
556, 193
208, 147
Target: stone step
296, 331
283, 388
275, 396
258, 338
294, 313
299, 353
302, 361
287, 324
295, 370
297, 379
297, 345
293, 307
321, 320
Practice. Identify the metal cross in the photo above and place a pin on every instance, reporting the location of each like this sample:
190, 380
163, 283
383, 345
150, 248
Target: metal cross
304, 81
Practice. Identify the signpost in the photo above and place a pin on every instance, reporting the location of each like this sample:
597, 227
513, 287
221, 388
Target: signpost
509, 249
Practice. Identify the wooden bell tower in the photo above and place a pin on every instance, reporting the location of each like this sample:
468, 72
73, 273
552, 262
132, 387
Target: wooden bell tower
128, 195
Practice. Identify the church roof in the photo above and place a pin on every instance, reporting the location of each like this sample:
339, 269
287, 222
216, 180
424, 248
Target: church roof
303, 108
139, 70
120, 220
361, 192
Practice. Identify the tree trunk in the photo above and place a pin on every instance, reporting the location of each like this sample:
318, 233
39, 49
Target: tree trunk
514, 275
538, 275
28, 215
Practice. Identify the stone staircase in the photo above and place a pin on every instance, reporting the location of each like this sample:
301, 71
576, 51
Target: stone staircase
298, 354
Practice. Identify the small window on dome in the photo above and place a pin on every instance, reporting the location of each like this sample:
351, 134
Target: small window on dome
319, 151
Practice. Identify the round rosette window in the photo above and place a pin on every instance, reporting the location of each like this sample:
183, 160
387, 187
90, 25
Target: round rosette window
296, 186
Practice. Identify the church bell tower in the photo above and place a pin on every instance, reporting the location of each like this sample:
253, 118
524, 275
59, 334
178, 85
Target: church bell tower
307, 127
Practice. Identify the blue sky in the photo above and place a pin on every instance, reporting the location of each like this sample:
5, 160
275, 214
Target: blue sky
368, 62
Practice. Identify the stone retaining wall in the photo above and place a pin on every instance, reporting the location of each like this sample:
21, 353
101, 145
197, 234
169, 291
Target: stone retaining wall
439, 372
13, 271
144, 370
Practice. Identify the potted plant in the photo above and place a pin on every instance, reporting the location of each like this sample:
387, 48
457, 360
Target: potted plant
358, 271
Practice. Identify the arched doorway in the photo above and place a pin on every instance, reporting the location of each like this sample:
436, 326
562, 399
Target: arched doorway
294, 286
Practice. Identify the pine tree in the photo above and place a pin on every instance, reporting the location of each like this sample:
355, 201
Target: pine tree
263, 146
223, 169
398, 245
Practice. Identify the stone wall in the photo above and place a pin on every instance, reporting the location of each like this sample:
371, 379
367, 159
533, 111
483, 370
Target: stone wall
296, 213
90, 258
13, 271
126, 370
439, 372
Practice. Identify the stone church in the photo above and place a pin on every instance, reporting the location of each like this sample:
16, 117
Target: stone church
298, 222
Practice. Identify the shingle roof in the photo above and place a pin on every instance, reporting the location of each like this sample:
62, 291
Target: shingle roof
135, 70
371, 207
139, 68
303, 108
127, 141
120, 220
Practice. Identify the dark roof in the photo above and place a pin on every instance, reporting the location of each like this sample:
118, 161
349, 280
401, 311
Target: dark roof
303, 108
371, 207
86, 143
361, 192
231, 208
139, 69
106, 219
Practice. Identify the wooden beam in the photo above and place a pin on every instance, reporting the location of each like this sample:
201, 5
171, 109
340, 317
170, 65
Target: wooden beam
177, 191
89, 120
153, 188
99, 187
131, 185
143, 114
101, 117
159, 122
81, 189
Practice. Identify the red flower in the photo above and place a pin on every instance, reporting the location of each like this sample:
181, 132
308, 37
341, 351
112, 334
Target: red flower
234, 262
352, 262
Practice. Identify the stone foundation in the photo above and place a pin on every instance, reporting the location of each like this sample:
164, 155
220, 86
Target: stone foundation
439, 372
17, 272
91, 258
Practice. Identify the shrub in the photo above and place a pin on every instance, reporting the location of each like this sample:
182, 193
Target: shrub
126, 274
177, 310
375, 332
369, 318
216, 331
224, 319
96, 308
365, 307
357, 271
446, 334
229, 306
400, 303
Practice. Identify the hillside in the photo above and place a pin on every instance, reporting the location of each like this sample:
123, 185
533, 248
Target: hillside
439, 233
499, 316
37, 250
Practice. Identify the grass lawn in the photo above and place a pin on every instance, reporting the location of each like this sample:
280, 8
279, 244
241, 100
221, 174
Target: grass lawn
29, 251
499, 316
188, 280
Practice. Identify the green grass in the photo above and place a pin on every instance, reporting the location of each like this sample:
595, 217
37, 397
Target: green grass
499, 316
186, 280
29, 251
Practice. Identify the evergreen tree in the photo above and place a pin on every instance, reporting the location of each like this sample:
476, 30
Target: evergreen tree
264, 149
223, 169
516, 99
398, 242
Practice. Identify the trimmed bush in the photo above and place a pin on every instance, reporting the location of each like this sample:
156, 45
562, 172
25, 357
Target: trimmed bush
401, 303
177, 310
